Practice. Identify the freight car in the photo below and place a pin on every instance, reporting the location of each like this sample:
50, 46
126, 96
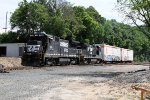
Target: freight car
109, 53
126, 55
115, 54
44, 49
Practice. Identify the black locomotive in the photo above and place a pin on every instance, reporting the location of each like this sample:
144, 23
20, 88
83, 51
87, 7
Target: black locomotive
45, 49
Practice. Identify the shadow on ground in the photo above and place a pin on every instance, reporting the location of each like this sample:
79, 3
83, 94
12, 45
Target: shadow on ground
93, 74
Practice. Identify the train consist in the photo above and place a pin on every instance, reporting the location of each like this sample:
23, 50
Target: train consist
44, 49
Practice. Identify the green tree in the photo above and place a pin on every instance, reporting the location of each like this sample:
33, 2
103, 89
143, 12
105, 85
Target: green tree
56, 26
29, 17
62, 21
94, 14
10, 37
91, 28
137, 11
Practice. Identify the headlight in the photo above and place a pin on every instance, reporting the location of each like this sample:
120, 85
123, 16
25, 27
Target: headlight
35, 51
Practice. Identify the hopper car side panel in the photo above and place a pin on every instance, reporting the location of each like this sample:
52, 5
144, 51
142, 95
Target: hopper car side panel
110, 53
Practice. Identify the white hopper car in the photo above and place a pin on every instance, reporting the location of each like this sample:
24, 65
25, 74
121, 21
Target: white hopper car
127, 55
110, 53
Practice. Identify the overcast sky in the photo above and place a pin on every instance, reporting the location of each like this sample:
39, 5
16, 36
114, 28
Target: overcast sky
105, 7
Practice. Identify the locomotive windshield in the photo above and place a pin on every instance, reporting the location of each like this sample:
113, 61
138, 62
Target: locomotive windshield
34, 42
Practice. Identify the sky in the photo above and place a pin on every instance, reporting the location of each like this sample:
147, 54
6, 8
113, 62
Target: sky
106, 8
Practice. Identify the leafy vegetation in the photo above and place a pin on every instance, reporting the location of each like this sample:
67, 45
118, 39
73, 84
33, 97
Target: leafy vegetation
137, 11
60, 18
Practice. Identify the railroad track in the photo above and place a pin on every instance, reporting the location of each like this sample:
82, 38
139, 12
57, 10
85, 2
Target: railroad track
3, 69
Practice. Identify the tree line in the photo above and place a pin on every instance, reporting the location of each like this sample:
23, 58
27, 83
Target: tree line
62, 19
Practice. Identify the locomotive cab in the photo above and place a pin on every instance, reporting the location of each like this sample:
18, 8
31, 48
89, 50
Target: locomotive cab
34, 50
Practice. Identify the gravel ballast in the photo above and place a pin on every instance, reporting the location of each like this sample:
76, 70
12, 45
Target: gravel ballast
74, 83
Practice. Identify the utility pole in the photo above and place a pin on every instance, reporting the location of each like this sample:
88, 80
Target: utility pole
6, 23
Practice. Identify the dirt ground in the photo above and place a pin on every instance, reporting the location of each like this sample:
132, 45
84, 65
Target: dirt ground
78, 88
10, 62
84, 90
107, 82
